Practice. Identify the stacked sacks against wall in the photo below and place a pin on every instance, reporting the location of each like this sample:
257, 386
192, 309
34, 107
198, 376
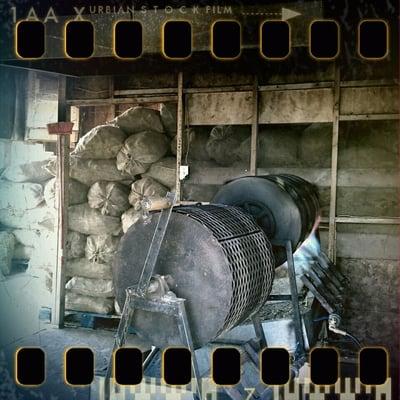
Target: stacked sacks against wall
107, 184
25, 219
97, 198
113, 167
28, 224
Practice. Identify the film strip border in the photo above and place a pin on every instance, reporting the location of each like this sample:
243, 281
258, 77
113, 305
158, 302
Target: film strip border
176, 39
176, 366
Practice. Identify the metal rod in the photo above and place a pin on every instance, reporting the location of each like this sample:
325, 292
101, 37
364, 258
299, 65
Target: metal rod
184, 330
295, 298
120, 339
179, 134
334, 167
155, 246
258, 328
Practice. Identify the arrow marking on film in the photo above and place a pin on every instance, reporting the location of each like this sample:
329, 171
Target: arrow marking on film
286, 13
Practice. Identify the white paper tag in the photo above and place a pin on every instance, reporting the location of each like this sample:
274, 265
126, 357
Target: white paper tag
183, 172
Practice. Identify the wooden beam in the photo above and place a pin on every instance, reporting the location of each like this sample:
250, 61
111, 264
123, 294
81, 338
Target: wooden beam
63, 144
334, 167
254, 129
234, 88
368, 220
205, 172
179, 134
104, 102
113, 105
364, 220
376, 82
295, 86
370, 117
140, 92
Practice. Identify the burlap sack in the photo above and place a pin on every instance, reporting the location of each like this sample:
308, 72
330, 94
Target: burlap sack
222, 145
77, 192
20, 196
140, 150
87, 269
168, 113
129, 218
75, 245
102, 142
41, 217
193, 145
145, 187
89, 221
98, 305
110, 198
138, 119
91, 287
7, 245
164, 172
35, 238
33, 171
91, 171
101, 248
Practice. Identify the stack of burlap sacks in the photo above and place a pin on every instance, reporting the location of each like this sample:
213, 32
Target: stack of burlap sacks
27, 222
111, 169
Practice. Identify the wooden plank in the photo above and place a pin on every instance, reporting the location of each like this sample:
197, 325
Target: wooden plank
369, 100
235, 88
296, 106
370, 117
179, 133
136, 92
113, 106
254, 130
374, 178
223, 108
334, 167
63, 142
295, 86
366, 246
148, 99
202, 172
368, 220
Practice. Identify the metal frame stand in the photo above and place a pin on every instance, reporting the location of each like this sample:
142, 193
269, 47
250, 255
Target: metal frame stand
136, 299
168, 305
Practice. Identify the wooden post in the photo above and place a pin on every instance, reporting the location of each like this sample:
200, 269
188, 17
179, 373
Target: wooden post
63, 145
334, 167
179, 133
111, 95
254, 129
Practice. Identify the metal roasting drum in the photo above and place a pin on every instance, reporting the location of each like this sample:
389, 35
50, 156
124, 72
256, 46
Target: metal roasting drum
285, 206
220, 260
219, 255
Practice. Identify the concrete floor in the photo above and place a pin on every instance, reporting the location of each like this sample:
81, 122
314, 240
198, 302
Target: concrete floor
21, 297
